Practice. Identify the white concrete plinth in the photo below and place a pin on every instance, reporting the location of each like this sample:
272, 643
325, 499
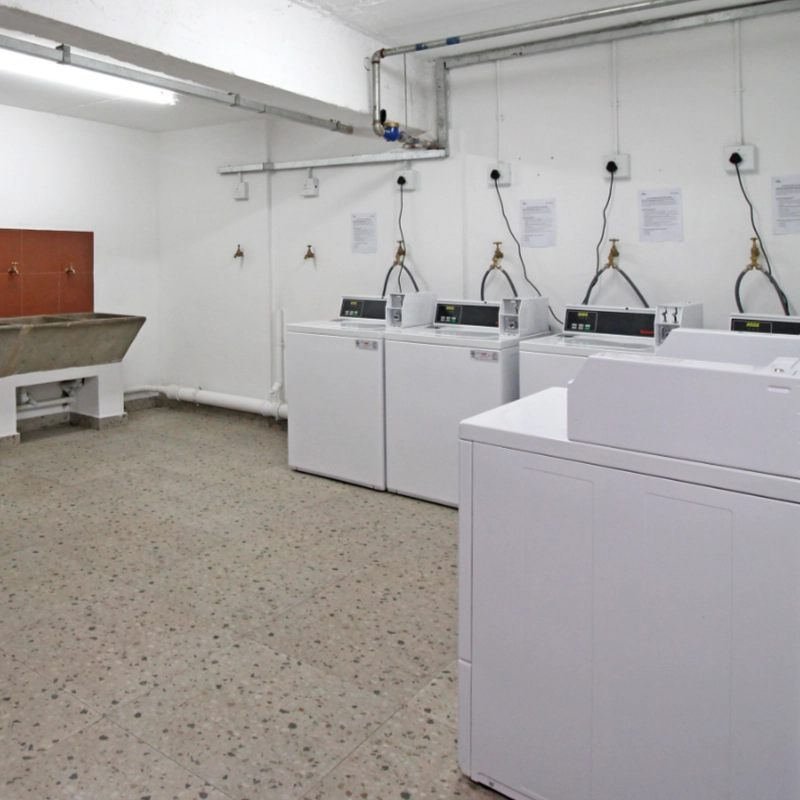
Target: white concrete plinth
98, 403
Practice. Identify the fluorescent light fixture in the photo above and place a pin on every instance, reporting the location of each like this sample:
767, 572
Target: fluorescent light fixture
78, 78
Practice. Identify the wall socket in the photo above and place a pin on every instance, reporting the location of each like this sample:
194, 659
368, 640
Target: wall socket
310, 187
412, 180
241, 191
749, 156
504, 168
623, 162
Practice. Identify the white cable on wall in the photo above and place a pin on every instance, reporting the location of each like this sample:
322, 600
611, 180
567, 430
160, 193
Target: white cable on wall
615, 96
738, 85
499, 96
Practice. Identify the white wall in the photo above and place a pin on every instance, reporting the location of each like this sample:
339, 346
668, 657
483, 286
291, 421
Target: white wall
215, 309
66, 174
677, 111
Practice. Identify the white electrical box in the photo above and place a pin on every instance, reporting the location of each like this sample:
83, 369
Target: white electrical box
749, 155
310, 187
411, 177
623, 162
241, 191
505, 174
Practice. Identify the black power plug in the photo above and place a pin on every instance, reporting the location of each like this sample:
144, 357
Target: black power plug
401, 181
735, 158
495, 175
612, 167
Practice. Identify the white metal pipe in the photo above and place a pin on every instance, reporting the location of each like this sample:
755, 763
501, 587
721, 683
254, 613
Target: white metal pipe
542, 24
250, 405
36, 405
336, 161
738, 88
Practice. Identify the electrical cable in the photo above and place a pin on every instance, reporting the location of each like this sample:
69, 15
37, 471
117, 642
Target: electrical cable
508, 278
519, 246
402, 263
784, 300
598, 271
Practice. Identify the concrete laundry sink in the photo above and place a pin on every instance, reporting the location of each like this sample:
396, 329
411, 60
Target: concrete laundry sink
64, 341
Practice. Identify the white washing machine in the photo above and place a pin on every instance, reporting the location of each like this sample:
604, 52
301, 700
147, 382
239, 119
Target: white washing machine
629, 609
335, 386
465, 363
555, 360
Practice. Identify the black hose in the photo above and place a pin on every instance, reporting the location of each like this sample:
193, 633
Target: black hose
508, 278
624, 274
778, 291
605, 225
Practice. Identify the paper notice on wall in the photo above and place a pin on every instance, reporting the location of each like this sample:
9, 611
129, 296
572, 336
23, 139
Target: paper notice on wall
364, 233
538, 222
786, 204
660, 215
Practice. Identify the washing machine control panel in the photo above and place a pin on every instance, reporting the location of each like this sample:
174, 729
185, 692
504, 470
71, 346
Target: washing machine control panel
612, 322
363, 308
748, 324
482, 315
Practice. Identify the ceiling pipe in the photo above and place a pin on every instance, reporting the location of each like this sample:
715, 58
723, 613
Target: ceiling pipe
392, 133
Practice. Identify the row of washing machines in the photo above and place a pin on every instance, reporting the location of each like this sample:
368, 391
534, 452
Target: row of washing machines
377, 394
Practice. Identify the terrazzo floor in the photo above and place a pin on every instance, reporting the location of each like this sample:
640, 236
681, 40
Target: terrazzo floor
185, 617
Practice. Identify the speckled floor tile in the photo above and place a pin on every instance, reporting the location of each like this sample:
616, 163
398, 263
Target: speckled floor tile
439, 699
366, 635
103, 762
263, 725
109, 654
411, 756
34, 715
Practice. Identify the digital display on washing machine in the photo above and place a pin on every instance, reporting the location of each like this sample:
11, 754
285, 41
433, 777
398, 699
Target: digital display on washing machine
611, 323
356, 308
755, 325
478, 314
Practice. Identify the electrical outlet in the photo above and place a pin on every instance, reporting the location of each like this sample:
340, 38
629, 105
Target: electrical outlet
310, 187
623, 162
504, 169
749, 155
241, 190
412, 180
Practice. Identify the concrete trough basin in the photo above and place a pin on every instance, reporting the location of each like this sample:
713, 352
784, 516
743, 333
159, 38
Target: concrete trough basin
64, 341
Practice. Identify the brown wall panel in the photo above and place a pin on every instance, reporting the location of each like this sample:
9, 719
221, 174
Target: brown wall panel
76, 293
10, 295
44, 286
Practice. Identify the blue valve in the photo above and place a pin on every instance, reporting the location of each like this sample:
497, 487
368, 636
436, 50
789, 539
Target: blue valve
391, 131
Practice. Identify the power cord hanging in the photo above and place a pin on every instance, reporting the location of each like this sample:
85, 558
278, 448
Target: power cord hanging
612, 168
736, 160
400, 256
496, 177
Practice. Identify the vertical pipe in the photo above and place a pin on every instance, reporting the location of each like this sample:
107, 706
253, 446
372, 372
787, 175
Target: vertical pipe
738, 85
615, 95
499, 109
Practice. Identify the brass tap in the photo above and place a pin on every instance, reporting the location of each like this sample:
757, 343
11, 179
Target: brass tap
400, 254
754, 255
238, 253
498, 254
613, 254
13, 269
70, 270
309, 253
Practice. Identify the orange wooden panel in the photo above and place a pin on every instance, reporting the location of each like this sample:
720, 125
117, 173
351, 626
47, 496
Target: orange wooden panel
41, 252
76, 293
40, 294
10, 249
10, 295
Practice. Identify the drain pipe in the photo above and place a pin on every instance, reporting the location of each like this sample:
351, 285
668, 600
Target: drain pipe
250, 405
391, 130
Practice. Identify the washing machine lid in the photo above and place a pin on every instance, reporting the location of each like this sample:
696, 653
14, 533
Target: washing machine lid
585, 344
454, 336
538, 424
341, 327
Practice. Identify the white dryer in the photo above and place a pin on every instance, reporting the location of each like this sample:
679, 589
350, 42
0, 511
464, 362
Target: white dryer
465, 363
588, 330
335, 386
